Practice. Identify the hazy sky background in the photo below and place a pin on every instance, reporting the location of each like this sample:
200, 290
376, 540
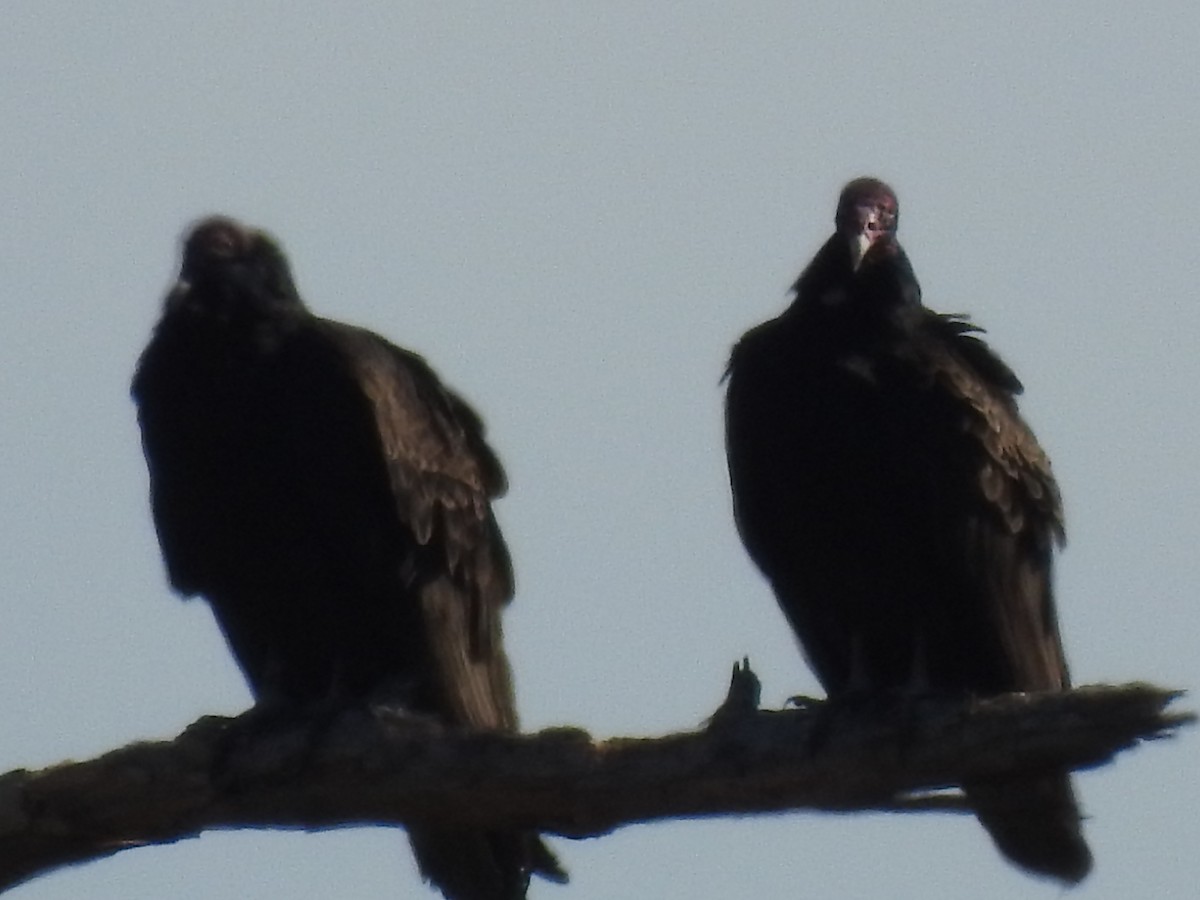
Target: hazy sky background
573, 210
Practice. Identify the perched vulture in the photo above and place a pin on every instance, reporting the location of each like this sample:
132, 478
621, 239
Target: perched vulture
330, 498
904, 514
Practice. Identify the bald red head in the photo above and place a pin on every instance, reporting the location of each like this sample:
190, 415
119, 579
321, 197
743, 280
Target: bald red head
214, 241
230, 269
867, 212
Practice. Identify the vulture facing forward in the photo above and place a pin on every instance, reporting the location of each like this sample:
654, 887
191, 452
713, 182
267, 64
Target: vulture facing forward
904, 514
330, 498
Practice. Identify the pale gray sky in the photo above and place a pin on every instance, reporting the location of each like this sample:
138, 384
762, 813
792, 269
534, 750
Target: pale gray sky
573, 210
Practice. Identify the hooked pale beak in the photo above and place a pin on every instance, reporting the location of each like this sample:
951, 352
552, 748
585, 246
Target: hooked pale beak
876, 221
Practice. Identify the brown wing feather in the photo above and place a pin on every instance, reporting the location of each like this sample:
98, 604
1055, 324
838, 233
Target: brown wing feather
1011, 544
1016, 476
443, 475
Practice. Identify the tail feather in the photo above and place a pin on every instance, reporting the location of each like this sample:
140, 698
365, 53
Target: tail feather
474, 865
1035, 822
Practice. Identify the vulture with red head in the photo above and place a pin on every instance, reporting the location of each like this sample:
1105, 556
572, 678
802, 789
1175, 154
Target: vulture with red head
331, 499
885, 483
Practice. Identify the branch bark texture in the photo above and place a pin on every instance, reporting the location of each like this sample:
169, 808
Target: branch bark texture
380, 766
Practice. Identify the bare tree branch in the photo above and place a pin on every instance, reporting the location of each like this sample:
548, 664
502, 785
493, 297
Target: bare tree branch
380, 766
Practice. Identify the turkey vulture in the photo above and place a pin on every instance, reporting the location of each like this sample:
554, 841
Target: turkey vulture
329, 497
904, 514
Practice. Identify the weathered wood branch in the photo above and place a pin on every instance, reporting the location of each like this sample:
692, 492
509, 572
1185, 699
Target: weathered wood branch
383, 767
